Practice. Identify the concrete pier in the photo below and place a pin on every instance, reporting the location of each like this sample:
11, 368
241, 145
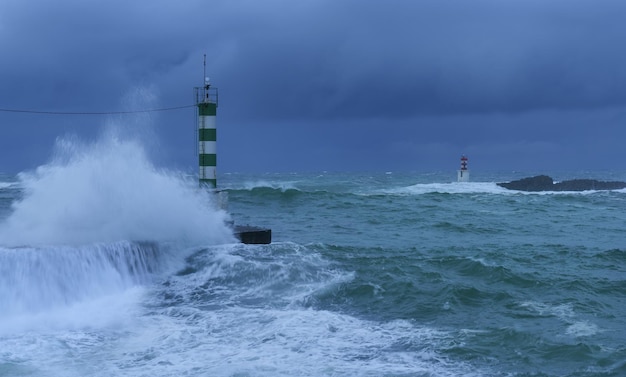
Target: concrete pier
252, 234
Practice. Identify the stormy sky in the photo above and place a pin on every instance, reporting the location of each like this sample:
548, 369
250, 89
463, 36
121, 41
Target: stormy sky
313, 85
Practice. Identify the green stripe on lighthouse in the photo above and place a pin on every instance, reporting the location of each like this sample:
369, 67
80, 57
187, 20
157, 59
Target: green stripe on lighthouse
207, 108
207, 134
208, 160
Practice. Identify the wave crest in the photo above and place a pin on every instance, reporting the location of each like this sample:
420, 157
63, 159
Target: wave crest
109, 191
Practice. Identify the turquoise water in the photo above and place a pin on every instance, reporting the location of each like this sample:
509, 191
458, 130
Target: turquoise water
378, 274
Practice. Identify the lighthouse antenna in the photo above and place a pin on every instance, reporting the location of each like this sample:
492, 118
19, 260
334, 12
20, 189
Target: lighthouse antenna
204, 72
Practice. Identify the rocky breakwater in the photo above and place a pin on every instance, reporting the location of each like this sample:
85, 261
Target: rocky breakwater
545, 183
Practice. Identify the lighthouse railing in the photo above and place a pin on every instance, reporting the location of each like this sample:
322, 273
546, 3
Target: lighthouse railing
205, 94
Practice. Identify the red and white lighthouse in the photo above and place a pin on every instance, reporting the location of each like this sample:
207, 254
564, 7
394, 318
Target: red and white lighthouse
463, 173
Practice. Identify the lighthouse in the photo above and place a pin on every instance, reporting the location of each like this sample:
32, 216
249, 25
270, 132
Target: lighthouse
463, 172
206, 101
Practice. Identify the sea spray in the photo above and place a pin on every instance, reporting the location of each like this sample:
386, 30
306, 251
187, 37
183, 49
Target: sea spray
108, 191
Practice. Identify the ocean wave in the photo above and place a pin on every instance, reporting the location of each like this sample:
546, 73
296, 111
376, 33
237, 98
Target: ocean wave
281, 186
582, 328
39, 279
106, 192
447, 188
263, 194
612, 255
269, 191
262, 304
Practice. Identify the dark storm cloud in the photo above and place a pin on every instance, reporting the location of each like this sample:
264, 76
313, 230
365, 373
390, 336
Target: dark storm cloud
412, 58
71, 47
315, 82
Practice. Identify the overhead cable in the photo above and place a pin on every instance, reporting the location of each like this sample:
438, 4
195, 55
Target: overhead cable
94, 112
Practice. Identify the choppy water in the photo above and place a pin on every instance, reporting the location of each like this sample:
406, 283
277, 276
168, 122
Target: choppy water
386, 274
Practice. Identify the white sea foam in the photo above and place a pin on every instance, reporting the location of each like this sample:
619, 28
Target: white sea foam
282, 186
254, 321
227, 332
448, 188
565, 313
108, 191
116, 311
239, 341
561, 311
582, 328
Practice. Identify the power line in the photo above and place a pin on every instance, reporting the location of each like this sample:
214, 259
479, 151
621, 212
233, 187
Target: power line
94, 112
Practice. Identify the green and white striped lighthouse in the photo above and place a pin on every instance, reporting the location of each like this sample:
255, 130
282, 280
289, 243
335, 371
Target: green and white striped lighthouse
206, 101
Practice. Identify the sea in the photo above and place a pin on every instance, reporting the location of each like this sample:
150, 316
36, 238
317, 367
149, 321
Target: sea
112, 266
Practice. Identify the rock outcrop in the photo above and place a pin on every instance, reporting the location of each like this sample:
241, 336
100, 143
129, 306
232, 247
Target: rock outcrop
545, 183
